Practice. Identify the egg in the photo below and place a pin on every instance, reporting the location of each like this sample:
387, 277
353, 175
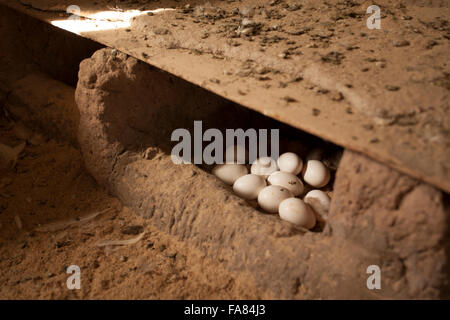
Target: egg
286, 180
297, 212
270, 197
315, 173
229, 172
236, 154
264, 166
290, 162
319, 201
249, 186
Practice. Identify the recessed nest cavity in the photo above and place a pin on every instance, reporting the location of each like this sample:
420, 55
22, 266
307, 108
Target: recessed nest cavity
297, 184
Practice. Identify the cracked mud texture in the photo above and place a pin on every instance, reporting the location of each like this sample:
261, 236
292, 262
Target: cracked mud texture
403, 222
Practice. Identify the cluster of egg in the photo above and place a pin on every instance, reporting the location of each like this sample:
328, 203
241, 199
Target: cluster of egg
276, 186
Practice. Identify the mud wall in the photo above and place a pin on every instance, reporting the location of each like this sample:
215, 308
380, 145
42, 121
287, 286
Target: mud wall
378, 216
52, 50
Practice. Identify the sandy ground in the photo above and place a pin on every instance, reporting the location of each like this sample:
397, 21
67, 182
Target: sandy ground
49, 184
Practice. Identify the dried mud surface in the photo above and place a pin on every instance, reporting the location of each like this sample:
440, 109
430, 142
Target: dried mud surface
312, 64
50, 184
206, 243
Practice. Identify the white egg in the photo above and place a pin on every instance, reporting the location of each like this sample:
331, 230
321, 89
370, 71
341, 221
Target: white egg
249, 186
229, 172
287, 180
290, 162
236, 154
270, 197
297, 212
319, 201
315, 173
264, 166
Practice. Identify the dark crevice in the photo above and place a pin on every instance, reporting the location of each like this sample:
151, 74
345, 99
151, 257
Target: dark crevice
445, 290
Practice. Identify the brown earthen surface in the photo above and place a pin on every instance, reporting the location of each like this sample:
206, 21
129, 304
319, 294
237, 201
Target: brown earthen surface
381, 92
200, 240
44, 200
403, 222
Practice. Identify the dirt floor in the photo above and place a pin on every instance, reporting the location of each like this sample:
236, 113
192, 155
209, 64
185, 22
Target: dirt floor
49, 184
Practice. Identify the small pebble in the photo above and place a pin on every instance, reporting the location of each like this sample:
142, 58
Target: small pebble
400, 43
392, 88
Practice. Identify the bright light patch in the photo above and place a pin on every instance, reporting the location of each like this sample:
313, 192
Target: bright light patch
104, 20
79, 26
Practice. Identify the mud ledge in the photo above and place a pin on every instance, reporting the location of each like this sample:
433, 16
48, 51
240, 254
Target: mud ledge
378, 216
127, 111
375, 95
